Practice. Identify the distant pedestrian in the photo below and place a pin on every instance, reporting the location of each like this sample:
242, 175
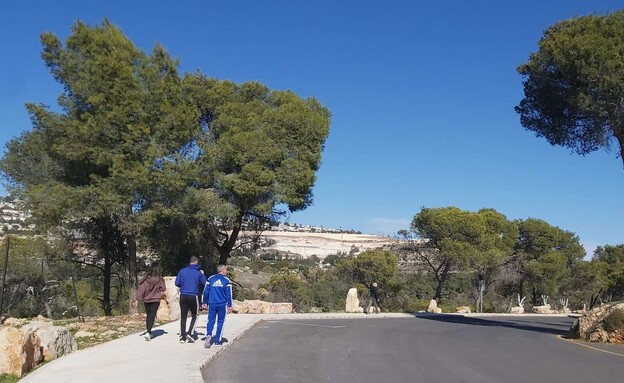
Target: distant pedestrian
190, 281
150, 291
373, 299
217, 299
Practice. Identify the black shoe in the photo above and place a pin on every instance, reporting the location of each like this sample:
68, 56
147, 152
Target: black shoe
182, 339
189, 339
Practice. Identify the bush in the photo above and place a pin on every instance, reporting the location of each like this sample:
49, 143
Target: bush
6, 378
614, 321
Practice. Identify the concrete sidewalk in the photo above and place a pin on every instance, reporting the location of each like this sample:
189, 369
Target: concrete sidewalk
164, 359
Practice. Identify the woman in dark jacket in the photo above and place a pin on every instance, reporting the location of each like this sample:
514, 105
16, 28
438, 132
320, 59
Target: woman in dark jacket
150, 291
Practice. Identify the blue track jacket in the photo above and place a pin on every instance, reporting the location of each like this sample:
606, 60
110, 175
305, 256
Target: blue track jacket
218, 291
190, 280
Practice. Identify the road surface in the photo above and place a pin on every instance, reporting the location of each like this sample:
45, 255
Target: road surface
431, 348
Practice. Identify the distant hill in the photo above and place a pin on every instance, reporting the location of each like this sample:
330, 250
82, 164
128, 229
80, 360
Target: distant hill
322, 244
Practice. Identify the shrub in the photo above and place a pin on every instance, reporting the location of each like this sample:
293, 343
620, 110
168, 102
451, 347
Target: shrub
614, 321
6, 378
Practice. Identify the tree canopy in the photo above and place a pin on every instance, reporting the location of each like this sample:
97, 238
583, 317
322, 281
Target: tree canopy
454, 239
134, 150
574, 84
256, 153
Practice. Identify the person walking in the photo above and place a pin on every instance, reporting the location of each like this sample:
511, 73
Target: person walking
190, 280
150, 291
373, 299
217, 298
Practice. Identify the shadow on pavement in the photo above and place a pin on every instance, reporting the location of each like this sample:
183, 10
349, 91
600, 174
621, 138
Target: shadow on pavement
545, 328
158, 332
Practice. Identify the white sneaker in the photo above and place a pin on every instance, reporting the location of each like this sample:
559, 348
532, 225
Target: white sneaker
147, 337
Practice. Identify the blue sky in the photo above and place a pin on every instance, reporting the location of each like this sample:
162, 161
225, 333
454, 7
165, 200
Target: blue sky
421, 93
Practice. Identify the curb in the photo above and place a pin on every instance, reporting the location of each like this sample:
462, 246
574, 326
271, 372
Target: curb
194, 369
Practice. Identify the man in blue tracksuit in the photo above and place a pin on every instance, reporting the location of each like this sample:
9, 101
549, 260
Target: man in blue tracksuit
190, 281
218, 299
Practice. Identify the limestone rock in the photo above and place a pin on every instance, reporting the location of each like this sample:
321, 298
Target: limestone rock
84, 334
169, 309
17, 322
545, 309
433, 307
437, 310
281, 308
517, 310
352, 304
18, 352
261, 307
590, 326
463, 310
54, 341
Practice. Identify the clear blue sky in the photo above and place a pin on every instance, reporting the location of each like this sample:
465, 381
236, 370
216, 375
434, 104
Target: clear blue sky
421, 92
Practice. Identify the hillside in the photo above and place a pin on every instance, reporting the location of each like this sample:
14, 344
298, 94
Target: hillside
321, 244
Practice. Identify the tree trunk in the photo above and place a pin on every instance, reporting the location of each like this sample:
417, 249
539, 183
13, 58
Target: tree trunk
224, 254
106, 303
226, 248
441, 280
133, 278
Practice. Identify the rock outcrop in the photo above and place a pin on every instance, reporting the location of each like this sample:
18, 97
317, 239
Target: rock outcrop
517, 310
433, 307
54, 341
590, 326
545, 309
352, 304
261, 307
463, 310
169, 309
21, 349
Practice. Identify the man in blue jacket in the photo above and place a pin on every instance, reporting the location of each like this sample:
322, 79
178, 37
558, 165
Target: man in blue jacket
190, 281
218, 299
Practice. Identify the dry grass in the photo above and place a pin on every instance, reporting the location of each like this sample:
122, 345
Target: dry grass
104, 329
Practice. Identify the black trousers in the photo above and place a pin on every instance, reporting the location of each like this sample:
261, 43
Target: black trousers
151, 308
188, 302
372, 301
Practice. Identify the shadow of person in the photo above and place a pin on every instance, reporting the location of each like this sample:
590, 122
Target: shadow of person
158, 332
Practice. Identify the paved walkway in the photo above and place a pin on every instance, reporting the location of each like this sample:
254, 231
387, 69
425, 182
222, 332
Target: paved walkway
164, 359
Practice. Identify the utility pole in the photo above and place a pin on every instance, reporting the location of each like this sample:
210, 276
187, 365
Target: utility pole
6, 265
481, 288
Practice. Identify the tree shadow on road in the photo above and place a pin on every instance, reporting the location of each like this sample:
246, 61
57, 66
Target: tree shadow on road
545, 328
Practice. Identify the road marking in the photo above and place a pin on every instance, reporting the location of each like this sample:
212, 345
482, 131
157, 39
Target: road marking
590, 347
304, 324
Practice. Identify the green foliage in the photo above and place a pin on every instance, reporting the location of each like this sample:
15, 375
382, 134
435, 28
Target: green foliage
7, 378
548, 256
573, 84
454, 239
289, 288
368, 267
614, 321
135, 151
256, 149
39, 282
93, 164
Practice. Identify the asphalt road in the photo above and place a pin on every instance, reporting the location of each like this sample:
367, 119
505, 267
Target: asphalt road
432, 349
